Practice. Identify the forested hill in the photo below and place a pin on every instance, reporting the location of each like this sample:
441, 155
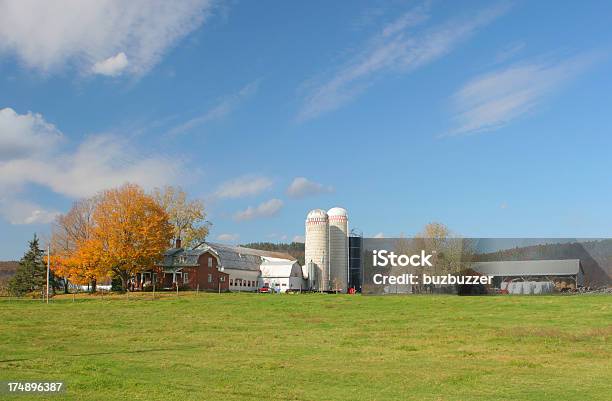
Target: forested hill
295, 249
595, 257
8, 269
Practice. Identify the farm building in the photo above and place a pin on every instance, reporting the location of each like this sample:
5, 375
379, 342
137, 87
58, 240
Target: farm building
220, 267
189, 268
533, 276
281, 274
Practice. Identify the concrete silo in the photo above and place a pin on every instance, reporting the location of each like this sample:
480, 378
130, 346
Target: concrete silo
338, 248
317, 250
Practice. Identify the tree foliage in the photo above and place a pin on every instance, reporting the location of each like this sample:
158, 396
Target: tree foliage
117, 233
74, 256
31, 275
451, 254
131, 231
187, 217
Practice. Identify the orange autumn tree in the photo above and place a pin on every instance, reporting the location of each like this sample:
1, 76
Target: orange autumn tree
131, 231
73, 257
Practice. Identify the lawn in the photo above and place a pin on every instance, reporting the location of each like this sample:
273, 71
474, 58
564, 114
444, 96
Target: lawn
312, 347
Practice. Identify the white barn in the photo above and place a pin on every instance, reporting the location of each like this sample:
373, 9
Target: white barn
281, 274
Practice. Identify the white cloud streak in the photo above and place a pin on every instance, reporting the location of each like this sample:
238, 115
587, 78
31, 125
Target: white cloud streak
248, 185
99, 162
228, 237
223, 108
17, 211
301, 187
394, 48
495, 99
49, 35
266, 209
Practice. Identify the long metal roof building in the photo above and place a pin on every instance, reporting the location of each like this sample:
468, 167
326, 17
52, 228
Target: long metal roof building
562, 267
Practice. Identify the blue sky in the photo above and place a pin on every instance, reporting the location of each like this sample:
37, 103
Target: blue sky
491, 117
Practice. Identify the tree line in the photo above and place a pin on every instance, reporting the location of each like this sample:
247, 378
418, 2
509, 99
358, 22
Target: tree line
295, 249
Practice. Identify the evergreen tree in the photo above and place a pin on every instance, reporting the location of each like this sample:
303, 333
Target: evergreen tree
31, 275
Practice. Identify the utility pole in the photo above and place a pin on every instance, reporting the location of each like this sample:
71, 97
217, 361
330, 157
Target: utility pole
48, 268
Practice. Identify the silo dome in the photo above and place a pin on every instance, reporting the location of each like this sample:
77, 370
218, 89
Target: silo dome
316, 214
337, 211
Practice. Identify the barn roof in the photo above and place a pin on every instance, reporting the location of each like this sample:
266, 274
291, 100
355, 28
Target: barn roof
250, 251
275, 267
229, 257
563, 267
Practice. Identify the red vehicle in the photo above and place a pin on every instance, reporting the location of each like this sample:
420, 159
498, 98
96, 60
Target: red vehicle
265, 289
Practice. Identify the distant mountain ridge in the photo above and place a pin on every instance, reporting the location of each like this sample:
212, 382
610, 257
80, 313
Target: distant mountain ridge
8, 268
295, 249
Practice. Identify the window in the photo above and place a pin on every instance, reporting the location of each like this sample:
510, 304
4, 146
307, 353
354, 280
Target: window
284, 284
222, 279
210, 261
185, 278
209, 278
231, 281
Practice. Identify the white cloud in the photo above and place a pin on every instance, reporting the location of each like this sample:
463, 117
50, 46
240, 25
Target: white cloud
112, 66
379, 235
49, 35
299, 238
18, 211
301, 187
248, 185
265, 209
224, 107
394, 48
493, 100
25, 135
228, 237
99, 162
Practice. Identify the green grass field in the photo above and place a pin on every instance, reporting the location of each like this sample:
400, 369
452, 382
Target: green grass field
312, 347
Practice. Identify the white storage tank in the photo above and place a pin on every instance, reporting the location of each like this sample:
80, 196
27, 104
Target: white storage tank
338, 248
317, 249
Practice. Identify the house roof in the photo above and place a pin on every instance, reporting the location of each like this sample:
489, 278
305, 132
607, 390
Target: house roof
179, 257
564, 267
